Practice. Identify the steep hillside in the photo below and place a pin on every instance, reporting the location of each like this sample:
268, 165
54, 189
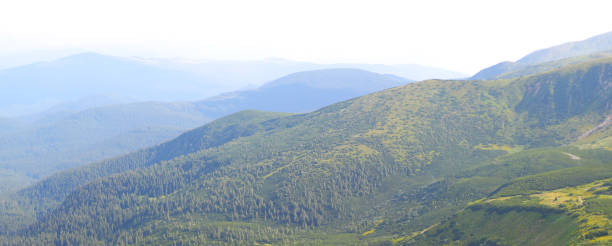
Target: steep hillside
373, 169
551, 58
566, 205
51, 191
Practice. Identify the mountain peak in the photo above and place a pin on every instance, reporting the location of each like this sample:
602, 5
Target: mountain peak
336, 78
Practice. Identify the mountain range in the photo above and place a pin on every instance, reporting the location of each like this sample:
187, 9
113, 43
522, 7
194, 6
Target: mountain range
70, 134
33, 88
523, 160
380, 168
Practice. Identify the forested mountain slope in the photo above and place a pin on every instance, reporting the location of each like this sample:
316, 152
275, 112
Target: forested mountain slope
56, 143
371, 170
61, 139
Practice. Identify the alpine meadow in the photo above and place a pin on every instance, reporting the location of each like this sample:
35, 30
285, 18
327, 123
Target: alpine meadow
124, 150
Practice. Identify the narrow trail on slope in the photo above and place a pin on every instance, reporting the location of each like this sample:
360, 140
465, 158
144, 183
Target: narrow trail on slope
603, 124
574, 157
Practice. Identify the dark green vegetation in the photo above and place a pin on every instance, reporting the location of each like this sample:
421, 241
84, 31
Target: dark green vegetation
550, 58
61, 138
379, 169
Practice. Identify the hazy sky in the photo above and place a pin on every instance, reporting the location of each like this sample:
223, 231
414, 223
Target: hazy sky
460, 35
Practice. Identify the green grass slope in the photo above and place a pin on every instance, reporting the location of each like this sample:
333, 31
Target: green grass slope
508, 70
551, 58
573, 215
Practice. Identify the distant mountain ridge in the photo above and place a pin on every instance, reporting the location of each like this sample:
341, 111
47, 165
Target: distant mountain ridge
258, 72
32, 88
601, 44
74, 77
339, 78
303, 91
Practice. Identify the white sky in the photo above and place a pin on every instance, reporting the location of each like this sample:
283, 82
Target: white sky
461, 35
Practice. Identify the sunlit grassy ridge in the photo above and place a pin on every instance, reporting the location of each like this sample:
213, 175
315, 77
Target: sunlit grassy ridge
576, 215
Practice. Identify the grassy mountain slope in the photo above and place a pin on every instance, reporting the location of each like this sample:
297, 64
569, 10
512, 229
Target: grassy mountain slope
565, 205
551, 65
550, 58
506, 217
507, 70
576, 212
368, 170
602, 42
